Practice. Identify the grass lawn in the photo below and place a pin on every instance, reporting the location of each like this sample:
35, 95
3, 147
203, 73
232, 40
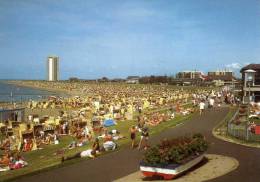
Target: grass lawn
222, 126
46, 159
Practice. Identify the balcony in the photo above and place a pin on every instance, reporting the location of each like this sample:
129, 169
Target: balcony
252, 88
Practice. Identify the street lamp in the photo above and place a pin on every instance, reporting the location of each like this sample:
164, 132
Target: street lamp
249, 78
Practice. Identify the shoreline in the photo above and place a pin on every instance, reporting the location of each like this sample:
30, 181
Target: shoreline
23, 84
18, 83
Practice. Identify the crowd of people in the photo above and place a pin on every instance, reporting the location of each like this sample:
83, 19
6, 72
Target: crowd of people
87, 106
11, 161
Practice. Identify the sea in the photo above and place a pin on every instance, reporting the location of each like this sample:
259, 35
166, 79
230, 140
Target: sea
14, 93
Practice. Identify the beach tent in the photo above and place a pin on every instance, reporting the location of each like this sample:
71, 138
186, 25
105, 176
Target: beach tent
2, 125
109, 122
49, 129
96, 123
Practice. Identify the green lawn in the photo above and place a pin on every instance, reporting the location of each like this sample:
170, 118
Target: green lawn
222, 126
46, 159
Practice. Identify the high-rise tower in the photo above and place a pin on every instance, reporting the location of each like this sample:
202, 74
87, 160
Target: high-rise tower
53, 68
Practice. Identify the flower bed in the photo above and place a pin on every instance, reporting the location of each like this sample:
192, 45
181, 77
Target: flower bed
172, 157
242, 111
241, 116
244, 106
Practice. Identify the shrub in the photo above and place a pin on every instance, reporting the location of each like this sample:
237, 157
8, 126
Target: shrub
237, 122
244, 106
176, 150
152, 156
242, 111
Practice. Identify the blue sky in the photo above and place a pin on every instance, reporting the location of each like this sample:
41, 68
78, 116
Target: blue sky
117, 38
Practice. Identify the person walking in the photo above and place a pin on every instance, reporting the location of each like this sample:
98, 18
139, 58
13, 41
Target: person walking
202, 106
144, 139
211, 103
133, 135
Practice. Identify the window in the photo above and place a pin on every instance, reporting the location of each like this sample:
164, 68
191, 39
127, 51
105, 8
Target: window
257, 78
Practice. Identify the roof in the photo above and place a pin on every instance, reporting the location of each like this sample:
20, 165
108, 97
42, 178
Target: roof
251, 66
220, 71
187, 71
13, 110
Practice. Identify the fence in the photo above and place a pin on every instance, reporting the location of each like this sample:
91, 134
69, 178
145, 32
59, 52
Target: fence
241, 131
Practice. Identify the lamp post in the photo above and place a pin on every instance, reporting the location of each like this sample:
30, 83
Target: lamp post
249, 79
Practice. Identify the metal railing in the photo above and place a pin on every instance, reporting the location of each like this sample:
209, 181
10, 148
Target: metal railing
241, 131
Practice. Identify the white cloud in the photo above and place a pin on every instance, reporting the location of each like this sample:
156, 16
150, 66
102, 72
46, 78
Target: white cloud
246, 63
234, 66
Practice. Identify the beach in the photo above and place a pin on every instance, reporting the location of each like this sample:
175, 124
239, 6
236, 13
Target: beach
90, 111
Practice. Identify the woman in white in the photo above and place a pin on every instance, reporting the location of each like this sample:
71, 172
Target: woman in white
202, 106
211, 102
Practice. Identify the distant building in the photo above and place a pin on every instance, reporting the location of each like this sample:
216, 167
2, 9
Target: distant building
189, 75
74, 79
132, 79
118, 80
221, 73
188, 78
251, 82
103, 79
220, 78
53, 68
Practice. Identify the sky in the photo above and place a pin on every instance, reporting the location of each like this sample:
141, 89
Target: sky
118, 38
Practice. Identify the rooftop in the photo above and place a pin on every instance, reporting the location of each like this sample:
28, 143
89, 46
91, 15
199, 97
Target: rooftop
250, 66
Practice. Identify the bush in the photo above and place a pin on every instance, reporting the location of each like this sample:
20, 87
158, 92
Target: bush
244, 106
152, 156
242, 111
176, 150
237, 122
